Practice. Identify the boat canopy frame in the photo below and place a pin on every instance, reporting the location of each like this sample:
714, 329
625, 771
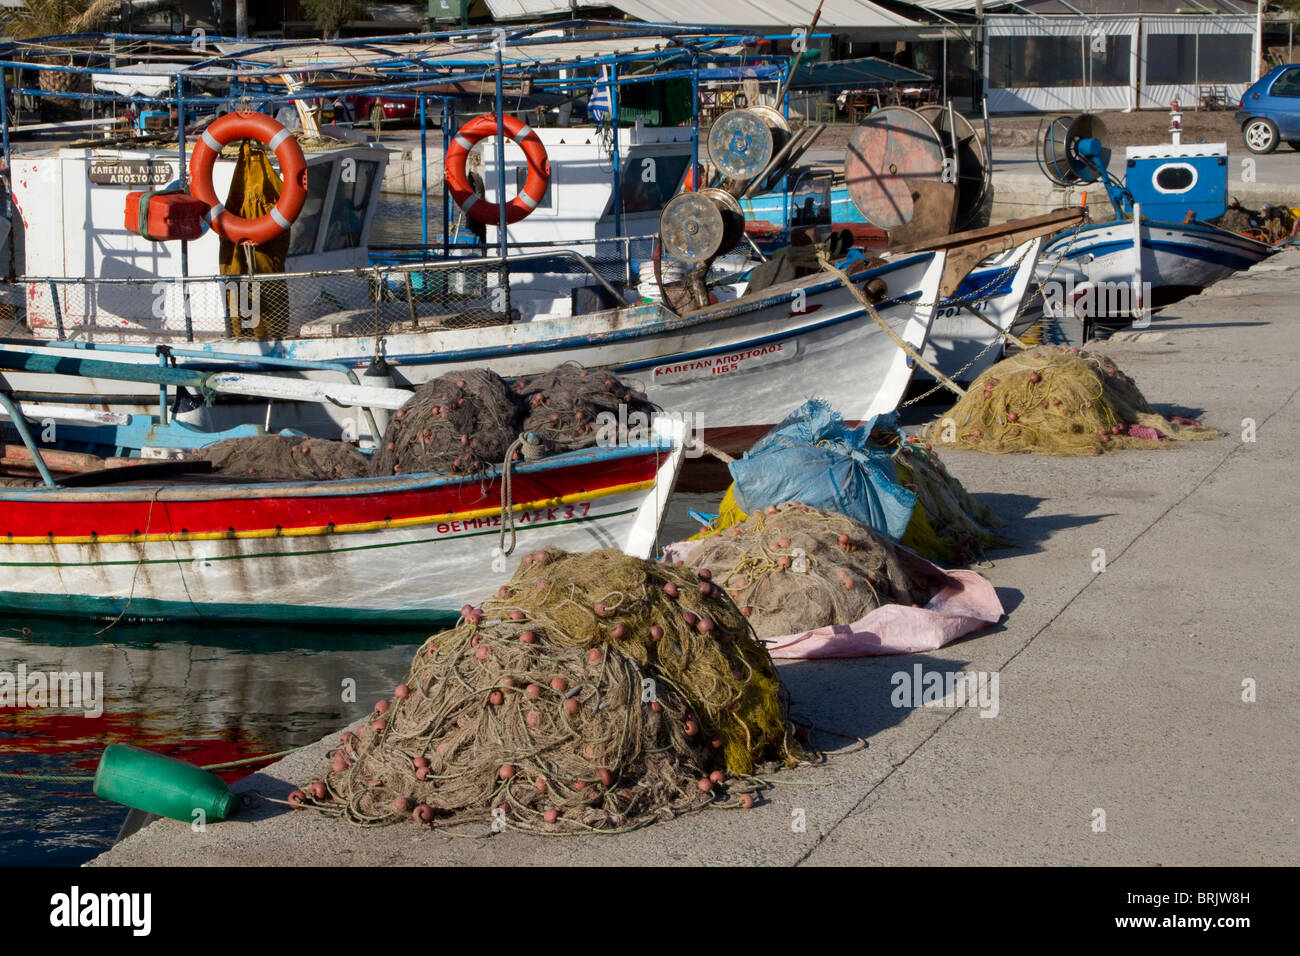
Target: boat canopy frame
542, 56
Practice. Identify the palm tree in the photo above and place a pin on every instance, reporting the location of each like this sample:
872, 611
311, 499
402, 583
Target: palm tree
53, 17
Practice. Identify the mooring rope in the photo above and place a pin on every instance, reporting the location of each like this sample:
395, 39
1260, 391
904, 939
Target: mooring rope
71, 778
907, 348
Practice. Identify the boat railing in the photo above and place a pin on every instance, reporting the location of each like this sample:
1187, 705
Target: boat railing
613, 257
462, 291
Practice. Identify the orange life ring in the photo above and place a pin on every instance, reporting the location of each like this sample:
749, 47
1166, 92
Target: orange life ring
293, 170
539, 170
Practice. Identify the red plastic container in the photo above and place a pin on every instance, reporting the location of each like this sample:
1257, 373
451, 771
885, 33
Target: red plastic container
161, 216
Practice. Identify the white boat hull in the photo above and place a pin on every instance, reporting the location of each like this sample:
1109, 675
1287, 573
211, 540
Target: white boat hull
963, 346
735, 367
1176, 260
421, 567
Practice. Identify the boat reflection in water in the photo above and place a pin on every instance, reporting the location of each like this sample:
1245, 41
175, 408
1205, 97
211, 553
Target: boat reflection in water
205, 693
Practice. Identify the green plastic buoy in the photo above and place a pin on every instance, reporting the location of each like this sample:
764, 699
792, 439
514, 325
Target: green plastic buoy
163, 785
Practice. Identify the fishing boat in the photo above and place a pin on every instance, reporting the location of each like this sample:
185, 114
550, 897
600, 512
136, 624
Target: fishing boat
912, 175
170, 541
737, 363
1162, 245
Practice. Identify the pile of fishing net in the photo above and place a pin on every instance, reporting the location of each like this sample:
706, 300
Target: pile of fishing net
1054, 400
947, 523
565, 404
466, 422
460, 422
282, 458
594, 692
1270, 223
792, 568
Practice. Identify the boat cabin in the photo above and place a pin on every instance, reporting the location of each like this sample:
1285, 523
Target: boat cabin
72, 202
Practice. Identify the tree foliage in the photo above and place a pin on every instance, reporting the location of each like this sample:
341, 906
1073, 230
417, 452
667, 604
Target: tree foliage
330, 15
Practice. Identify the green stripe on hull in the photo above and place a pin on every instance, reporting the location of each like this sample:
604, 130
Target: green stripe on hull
151, 609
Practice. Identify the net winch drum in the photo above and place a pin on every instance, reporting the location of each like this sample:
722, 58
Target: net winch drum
1074, 149
697, 226
891, 151
972, 169
743, 141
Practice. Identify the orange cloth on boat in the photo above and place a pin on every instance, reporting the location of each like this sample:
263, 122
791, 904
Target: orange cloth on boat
257, 310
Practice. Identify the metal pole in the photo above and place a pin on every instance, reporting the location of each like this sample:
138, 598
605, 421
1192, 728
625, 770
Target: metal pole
447, 119
20, 426
501, 185
695, 125
185, 246
4, 146
424, 178
786, 217
618, 176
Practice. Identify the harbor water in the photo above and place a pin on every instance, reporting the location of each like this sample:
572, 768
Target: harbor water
203, 692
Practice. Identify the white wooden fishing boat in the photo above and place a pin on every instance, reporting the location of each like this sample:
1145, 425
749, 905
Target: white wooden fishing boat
408, 548
1170, 259
737, 366
963, 345
1162, 245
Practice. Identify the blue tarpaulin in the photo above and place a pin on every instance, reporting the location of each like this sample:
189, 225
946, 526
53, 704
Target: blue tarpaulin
860, 74
813, 458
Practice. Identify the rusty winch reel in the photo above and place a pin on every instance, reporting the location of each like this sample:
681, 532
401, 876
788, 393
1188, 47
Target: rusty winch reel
918, 174
750, 150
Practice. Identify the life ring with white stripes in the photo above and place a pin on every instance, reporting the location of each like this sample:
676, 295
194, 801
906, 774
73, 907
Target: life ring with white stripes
539, 170
293, 170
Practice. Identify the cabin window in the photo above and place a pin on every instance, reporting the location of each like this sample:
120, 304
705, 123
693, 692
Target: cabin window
650, 181
351, 196
1175, 178
302, 234
521, 176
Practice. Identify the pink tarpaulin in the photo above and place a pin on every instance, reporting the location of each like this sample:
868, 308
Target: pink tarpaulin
964, 604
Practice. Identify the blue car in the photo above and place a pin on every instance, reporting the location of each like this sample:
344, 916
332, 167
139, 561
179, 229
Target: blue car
1270, 110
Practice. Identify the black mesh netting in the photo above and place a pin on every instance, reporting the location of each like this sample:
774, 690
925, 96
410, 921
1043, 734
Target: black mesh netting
564, 405
462, 422
279, 458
